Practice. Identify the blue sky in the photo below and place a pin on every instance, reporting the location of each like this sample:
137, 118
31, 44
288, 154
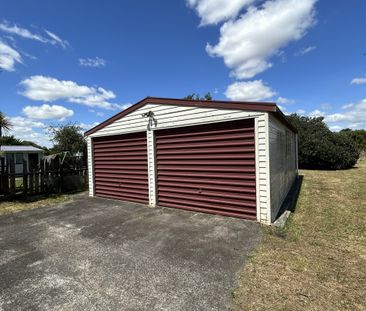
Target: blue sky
83, 61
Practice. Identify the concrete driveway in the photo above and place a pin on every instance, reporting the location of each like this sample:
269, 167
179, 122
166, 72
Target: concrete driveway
98, 254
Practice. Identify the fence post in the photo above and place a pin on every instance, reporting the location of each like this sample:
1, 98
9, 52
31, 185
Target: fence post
12, 177
25, 177
61, 172
30, 182
42, 176
2, 174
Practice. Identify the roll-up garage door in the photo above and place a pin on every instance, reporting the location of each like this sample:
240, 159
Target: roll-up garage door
208, 168
120, 167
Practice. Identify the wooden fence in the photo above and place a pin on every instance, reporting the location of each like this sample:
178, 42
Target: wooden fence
48, 177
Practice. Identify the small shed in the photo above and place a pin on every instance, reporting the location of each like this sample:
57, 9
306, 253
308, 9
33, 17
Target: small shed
235, 159
17, 154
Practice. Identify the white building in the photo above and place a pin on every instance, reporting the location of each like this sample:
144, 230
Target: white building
230, 158
18, 154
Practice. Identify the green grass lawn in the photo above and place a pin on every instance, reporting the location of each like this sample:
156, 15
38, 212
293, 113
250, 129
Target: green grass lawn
318, 262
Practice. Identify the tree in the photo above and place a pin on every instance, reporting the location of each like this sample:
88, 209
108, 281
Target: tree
320, 148
358, 136
195, 96
5, 124
68, 137
10, 141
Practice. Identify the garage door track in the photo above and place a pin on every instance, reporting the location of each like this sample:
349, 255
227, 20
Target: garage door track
99, 254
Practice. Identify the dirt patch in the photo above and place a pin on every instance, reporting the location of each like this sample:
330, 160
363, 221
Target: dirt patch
317, 262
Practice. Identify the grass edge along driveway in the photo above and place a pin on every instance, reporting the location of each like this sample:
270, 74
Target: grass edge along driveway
318, 261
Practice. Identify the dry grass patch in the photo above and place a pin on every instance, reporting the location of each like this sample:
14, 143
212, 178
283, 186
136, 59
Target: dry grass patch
8, 207
318, 262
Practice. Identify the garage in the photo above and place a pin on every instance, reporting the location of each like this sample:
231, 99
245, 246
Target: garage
236, 159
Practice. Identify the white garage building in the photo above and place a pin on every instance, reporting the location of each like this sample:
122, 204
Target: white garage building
235, 159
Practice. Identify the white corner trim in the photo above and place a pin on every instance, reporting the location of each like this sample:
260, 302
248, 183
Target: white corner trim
90, 166
257, 184
269, 203
151, 164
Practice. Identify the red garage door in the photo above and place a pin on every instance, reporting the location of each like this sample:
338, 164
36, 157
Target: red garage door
120, 167
208, 168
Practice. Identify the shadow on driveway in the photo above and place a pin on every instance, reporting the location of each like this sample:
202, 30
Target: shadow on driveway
99, 254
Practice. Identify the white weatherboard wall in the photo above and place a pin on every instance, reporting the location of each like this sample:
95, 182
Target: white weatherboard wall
170, 116
283, 163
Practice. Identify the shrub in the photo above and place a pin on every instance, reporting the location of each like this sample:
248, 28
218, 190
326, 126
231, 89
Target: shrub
320, 148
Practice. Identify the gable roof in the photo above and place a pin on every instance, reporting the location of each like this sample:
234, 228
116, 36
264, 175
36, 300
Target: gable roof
249, 106
20, 149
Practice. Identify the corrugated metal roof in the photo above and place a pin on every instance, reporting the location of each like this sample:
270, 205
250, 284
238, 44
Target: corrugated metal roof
19, 149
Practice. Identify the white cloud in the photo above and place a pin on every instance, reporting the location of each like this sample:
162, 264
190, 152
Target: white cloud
57, 40
352, 116
49, 89
359, 80
249, 91
300, 111
215, 11
306, 50
27, 129
8, 57
347, 106
20, 122
335, 128
355, 114
96, 62
86, 127
27, 34
247, 43
48, 112
22, 32
317, 113
285, 101
326, 106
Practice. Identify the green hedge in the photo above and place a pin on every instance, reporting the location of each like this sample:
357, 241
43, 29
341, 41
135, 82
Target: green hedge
320, 148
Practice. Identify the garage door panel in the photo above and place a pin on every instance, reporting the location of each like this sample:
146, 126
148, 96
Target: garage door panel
205, 138
246, 187
141, 179
118, 150
202, 186
205, 162
120, 167
119, 172
176, 134
228, 176
205, 193
127, 190
113, 195
208, 151
121, 186
206, 156
208, 168
212, 208
206, 198
227, 143
108, 140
